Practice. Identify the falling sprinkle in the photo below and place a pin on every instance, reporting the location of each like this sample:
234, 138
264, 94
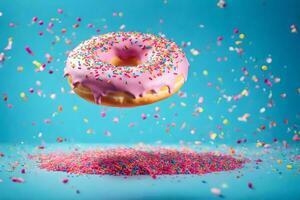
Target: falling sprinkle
65, 180
250, 185
122, 27
9, 44
294, 28
213, 136
221, 4
195, 52
17, 180
216, 191
75, 108
29, 51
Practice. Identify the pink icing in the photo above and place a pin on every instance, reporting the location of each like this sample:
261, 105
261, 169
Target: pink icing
161, 62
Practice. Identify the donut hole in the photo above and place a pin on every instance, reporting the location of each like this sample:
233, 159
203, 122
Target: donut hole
118, 62
126, 54
126, 57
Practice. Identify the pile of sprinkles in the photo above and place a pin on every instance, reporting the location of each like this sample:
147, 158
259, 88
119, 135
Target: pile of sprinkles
135, 161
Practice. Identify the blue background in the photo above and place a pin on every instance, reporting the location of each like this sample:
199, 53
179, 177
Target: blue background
266, 25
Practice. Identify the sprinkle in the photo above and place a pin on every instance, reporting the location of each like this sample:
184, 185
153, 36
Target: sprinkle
244, 118
60, 11
59, 139
144, 116
262, 110
23, 96
269, 60
29, 51
294, 28
34, 19
17, 180
195, 52
75, 108
65, 180
90, 131
49, 57
221, 4
107, 133
289, 167
225, 121
20, 68
53, 96
279, 162
242, 36
216, 191
200, 100
296, 137
264, 67
213, 136
266, 81
199, 110
86, 120
37, 64
103, 114
116, 120
122, 27
9, 44
250, 185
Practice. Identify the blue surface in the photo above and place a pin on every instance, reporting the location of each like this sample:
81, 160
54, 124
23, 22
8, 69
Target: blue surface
266, 25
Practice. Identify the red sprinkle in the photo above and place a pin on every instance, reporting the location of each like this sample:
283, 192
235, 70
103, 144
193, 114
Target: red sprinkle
65, 180
17, 180
29, 50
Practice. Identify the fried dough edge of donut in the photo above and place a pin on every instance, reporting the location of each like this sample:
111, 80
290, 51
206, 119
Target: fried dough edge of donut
123, 99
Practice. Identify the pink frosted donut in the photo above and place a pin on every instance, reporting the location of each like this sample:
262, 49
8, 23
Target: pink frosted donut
126, 69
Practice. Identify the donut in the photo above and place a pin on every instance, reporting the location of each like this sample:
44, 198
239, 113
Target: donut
126, 69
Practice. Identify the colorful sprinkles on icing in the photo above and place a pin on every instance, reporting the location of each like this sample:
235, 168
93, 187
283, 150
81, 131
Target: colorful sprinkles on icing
161, 61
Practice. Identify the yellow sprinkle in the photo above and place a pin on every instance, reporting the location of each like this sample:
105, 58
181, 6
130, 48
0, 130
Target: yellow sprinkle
242, 36
37, 64
264, 67
86, 120
20, 68
289, 166
279, 162
225, 121
205, 72
259, 144
75, 108
238, 42
199, 110
245, 92
22, 95
213, 136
